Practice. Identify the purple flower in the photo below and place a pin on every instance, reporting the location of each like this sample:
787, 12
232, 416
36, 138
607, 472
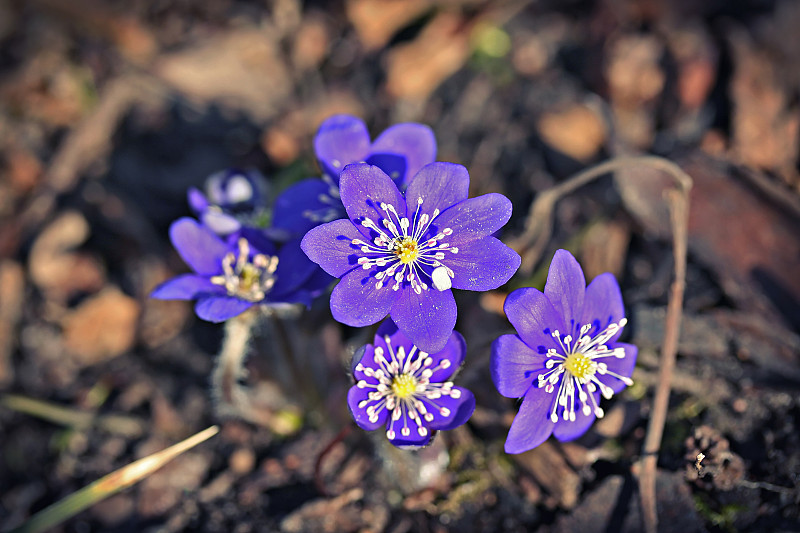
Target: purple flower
400, 152
231, 277
233, 199
564, 356
400, 254
405, 390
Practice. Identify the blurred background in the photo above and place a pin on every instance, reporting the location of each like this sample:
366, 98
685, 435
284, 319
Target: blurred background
109, 111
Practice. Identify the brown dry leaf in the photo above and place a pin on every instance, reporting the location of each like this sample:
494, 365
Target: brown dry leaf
311, 43
102, 327
766, 125
55, 268
416, 69
12, 293
376, 21
605, 248
551, 470
577, 131
242, 69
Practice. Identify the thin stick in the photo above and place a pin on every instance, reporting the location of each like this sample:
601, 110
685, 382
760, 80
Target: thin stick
531, 245
318, 481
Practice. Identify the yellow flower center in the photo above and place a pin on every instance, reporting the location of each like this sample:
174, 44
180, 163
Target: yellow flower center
406, 250
248, 277
580, 366
404, 385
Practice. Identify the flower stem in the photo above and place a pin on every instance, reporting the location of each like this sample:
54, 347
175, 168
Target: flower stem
230, 396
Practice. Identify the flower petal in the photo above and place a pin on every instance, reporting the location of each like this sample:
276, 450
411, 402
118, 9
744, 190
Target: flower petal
473, 218
354, 397
413, 438
602, 304
454, 352
534, 318
623, 367
482, 265
565, 288
341, 140
294, 268
459, 410
439, 186
363, 188
356, 302
566, 431
427, 318
184, 287
514, 366
392, 165
197, 200
198, 247
330, 246
532, 425
415, 142
301, 207
220, 308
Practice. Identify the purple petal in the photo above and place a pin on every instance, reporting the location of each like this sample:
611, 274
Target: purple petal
532, 425
602, 304
454, 352
330, 246
482, 265
514, 366
356, 302
354, 397
301, 207
534, 318
363, 188
623, 367
221, 308
392, 165
198, 247
197, 201
416, 142
413, 439
565, 288
474, 218
341, 140
184, 287
294, 268
566, 431
459, 410
427, 318
439, 186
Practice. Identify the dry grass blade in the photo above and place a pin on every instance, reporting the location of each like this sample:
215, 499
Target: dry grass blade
119, 425
109, 485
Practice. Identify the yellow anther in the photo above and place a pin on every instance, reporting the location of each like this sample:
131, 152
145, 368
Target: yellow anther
404, 385
580, 366
406, 250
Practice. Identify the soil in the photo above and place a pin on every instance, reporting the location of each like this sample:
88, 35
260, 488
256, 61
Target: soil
109, 111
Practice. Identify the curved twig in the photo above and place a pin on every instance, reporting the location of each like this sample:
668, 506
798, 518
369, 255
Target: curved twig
531, 244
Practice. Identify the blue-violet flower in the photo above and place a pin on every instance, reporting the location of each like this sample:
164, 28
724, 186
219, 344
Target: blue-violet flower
564, 356
400, 151
233, 199
400, 254
406, 390
232, 276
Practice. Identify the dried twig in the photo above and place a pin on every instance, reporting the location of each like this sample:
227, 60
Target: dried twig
531, 244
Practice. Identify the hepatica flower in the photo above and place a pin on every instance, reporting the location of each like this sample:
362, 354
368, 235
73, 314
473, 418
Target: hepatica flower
400, 254
400, 151
233, 199
565, 355
232, 276
406, 390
